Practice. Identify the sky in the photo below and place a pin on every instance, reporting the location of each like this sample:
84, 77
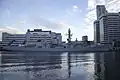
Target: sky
16, 16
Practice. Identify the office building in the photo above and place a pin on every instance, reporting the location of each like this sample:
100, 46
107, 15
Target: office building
13, 39
110, 27
100, 9
96, 32
107, 26
37, 37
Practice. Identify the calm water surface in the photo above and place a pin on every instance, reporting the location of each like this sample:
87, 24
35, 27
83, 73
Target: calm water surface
58, 66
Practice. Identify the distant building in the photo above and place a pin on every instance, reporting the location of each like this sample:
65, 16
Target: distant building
13, 39
107, 26
84, 38
33, 38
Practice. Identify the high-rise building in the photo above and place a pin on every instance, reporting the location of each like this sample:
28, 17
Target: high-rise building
110, 27
100, 9
96, 32
107, 26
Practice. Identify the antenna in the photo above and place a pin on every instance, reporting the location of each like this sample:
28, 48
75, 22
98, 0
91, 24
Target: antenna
69, 35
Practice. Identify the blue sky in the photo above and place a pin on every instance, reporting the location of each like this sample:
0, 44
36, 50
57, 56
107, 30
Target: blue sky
16, 16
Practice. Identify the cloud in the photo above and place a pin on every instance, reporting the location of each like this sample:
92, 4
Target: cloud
23, 22
111, 6
92, 3
39, 21
73, 11
59, 26
8, 12
10, 30
80, 10
75, 7
5, 12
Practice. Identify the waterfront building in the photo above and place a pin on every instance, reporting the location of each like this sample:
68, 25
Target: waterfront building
13, 39
44, 37
107, 26
37, 37
96, 31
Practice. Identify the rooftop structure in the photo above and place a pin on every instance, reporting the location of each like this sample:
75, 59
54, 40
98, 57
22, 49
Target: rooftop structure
85, 38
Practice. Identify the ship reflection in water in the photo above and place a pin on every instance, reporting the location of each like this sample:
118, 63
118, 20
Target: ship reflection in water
59, 66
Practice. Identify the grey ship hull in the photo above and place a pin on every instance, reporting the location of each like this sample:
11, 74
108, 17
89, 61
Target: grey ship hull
57, 49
